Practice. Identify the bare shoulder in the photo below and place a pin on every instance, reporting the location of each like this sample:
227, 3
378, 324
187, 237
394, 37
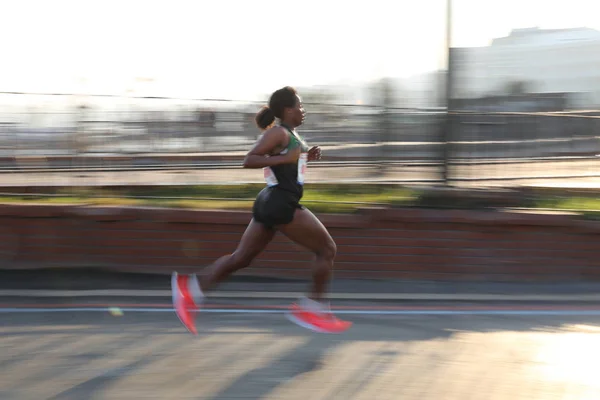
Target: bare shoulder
275, 131
276, 135
271, 141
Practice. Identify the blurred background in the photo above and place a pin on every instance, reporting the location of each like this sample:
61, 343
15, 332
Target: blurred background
137, 102
437, 92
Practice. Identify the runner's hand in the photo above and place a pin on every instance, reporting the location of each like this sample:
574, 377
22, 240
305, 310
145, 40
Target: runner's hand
314, 153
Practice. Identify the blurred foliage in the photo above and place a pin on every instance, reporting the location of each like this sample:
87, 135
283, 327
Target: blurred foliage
330, 198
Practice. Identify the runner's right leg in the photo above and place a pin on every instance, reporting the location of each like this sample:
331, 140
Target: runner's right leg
313, 313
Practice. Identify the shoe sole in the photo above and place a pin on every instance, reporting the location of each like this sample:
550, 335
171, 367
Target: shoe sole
290, 316
174, 291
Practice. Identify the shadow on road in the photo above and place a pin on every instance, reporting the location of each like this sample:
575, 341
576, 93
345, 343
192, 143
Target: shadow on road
81, 342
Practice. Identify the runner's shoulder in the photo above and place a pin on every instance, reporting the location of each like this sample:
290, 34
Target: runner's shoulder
277, 133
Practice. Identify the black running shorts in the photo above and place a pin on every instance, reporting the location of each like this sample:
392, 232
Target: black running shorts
274, 206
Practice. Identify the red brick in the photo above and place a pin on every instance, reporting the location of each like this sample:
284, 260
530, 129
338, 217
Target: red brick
404, 244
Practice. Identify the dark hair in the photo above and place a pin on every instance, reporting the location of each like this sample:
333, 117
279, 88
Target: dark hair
279, 101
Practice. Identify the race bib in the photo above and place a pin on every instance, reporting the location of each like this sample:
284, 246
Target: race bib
270, 177
302, 163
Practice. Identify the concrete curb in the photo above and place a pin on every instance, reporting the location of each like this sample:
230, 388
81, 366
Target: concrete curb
295, 295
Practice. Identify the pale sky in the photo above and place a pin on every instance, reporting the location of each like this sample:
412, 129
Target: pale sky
241, 48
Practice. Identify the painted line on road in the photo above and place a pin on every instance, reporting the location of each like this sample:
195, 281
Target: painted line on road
209, 307
296, 295
573, 312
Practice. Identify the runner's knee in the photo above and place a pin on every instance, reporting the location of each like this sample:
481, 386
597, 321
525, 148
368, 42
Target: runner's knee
328, 250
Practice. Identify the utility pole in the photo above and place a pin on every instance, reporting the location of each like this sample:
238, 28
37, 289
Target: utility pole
447, 128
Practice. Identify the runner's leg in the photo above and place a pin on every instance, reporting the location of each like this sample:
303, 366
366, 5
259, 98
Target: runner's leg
254, 240
313, 313
307, 231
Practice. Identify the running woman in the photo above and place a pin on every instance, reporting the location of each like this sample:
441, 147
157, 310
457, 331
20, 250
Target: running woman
283, 155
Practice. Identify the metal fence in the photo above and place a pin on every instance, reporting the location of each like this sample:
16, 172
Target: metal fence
517, 148
62, 140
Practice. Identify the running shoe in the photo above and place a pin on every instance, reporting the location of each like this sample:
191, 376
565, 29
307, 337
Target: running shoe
317, 321
183, 302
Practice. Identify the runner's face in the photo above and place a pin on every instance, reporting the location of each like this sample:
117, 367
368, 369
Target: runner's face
297, 113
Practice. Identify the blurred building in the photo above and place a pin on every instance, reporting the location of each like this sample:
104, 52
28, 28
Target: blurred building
518, 102
532, 60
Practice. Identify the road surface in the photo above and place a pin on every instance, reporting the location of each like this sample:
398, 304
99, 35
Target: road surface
62, 349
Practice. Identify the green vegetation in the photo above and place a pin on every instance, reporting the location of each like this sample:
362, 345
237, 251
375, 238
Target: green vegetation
589, 207
342, 198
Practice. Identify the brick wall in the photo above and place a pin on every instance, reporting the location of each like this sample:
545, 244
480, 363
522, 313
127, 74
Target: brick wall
375, 243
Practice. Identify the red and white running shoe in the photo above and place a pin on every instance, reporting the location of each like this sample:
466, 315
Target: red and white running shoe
318, 321
183, 303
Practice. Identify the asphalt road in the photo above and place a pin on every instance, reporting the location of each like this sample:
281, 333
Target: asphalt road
248, 350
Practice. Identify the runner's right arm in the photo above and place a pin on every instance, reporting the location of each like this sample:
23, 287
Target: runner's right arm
272, 141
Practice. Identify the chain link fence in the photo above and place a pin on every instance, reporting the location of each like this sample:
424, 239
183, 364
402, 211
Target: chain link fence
112, 136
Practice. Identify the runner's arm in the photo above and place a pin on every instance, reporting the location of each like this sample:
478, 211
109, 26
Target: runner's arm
272, 139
